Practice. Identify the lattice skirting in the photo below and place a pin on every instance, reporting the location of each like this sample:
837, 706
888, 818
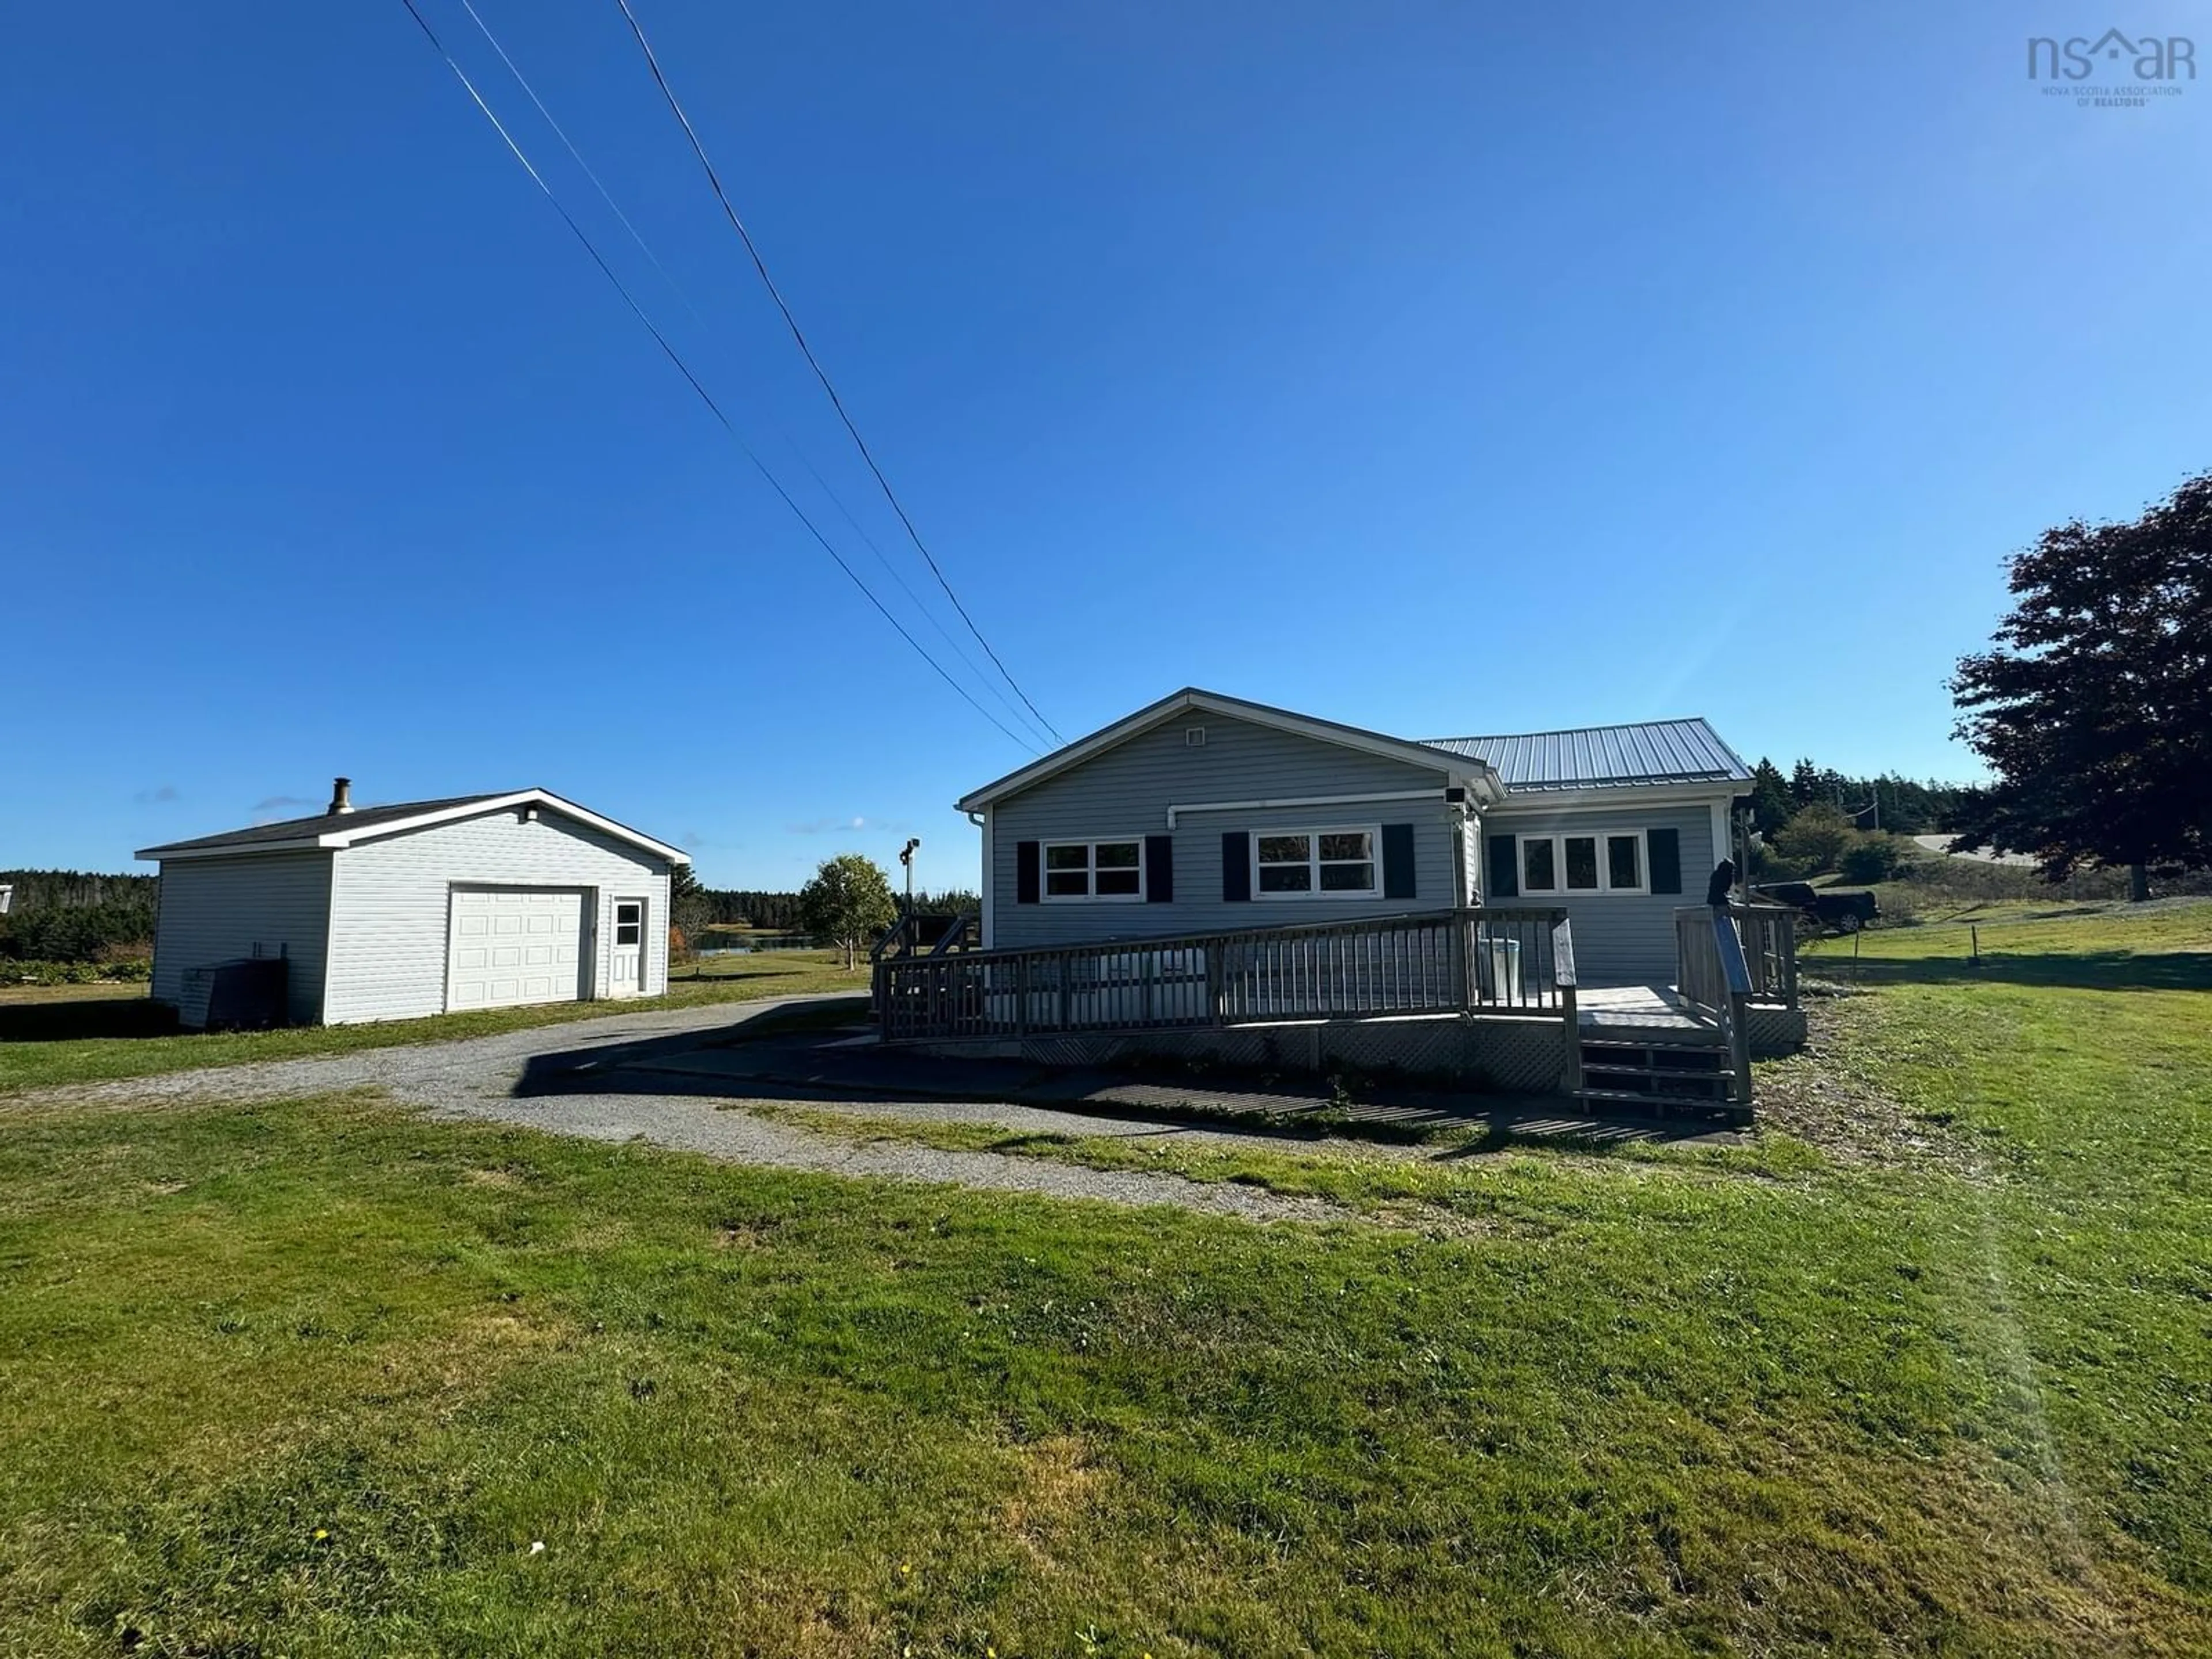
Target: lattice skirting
1518, 1056
1776, 1032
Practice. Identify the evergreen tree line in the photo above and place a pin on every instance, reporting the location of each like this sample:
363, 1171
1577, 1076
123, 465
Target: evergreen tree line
1898, 805
76, 916
780, 913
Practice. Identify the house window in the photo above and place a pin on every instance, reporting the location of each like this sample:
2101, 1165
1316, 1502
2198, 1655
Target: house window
1610, 863
1539, 865
1329, 863
1581, 863
1624, 863
1094, 870
629, 922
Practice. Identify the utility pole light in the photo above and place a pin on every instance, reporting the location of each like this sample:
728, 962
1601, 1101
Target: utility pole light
906, 857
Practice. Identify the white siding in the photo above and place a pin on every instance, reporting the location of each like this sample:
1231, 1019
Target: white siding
1620, 938
216, 909
389, 910
1126, 792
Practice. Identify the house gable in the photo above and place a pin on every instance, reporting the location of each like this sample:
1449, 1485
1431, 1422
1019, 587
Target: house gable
1194, 707
1182, 797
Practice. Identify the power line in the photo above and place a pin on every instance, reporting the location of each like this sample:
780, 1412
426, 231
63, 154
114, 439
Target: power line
684, 298
835, 401
682, 368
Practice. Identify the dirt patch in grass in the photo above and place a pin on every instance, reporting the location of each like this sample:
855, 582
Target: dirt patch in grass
1830, 1096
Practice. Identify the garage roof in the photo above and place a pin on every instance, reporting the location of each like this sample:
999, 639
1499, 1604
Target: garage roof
1606, 757
328, 830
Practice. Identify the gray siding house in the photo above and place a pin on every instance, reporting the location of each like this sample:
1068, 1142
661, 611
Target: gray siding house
424, 907
1203, 813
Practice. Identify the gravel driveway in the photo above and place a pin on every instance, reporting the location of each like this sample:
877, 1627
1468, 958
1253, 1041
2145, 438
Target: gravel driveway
477, 1079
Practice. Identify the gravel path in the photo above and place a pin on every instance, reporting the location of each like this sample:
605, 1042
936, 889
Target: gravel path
475, 1080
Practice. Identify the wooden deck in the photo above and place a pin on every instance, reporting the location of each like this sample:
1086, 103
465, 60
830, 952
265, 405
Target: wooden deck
1658, 1009
1686, 1043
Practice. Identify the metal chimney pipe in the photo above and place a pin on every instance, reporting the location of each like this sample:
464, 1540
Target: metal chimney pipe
341, 796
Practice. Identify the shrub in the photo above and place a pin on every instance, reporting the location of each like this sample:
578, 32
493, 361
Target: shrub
1870, 859
73, 972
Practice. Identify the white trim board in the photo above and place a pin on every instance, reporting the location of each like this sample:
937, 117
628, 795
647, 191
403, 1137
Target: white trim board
1285, 801
1618, 798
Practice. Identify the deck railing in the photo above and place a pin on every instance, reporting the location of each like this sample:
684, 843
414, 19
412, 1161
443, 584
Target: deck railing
1769, 933
1713, 974
1483, 960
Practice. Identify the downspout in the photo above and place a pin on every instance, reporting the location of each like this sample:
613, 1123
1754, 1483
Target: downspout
987, 888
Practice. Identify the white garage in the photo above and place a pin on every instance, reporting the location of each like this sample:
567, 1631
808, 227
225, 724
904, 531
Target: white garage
423, 908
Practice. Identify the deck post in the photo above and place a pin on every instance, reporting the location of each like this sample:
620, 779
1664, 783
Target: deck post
1570, 1025
1740, 1047
1022, 997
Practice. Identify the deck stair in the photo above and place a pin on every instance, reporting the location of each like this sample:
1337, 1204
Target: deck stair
1645, 1048
1660, 1076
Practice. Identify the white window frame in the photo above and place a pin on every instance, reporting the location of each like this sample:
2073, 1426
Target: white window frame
1091, 895
1314, 862
1605, 887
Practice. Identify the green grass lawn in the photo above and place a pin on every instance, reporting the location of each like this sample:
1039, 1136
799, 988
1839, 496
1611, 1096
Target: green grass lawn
67, 1033
314, 1377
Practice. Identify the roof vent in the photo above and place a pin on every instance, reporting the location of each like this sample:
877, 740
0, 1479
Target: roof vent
1194, 737
341, 797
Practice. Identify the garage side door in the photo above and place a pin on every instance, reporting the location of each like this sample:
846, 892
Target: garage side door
510, 945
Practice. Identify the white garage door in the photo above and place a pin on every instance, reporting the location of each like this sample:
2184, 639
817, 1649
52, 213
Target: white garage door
514, 945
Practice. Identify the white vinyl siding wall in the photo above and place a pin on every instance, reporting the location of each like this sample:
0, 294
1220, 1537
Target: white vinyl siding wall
1124, 794
1620, 938
389, 905
217, 909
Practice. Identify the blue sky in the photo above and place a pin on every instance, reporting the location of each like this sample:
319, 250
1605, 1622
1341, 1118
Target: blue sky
1431, 368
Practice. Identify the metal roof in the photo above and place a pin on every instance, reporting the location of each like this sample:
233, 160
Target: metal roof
296, 829
1606, 757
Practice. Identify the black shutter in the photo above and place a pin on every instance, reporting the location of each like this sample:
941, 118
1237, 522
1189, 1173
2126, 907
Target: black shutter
1666, 860
1398, 860
1505, 867
1159, 869
1236, 866
1026, 860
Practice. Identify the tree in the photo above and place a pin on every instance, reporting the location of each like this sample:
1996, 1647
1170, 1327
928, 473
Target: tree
1770, 805
2090, 707
1805, 783
848, 903
1816, 838
690, 907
